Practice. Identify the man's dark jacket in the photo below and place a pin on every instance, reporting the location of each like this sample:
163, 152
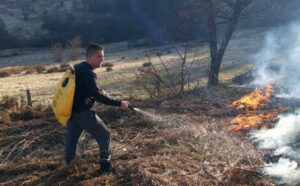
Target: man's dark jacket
87, 89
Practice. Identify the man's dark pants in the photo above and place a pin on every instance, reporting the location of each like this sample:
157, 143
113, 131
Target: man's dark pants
90, 122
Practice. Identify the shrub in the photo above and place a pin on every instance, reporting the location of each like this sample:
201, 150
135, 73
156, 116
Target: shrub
109, 69
64, 67
26, 113
108, 64
40, 68
147, 64
57, 52
74, 47
30, 71
9, 102
16, 70
4, 118
12, 70
17, 109
5, 73
53, 69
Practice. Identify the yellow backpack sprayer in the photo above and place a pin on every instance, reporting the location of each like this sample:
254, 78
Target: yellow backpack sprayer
62, 102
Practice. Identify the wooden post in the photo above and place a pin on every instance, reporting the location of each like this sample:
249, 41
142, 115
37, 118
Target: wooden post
28, 97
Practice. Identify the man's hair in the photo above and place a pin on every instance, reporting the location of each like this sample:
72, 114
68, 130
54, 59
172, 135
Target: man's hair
93, 48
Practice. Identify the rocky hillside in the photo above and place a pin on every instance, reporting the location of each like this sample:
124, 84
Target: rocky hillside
24, 17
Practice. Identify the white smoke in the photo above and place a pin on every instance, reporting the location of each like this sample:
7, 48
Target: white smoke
282, 140
286, 170
281, 51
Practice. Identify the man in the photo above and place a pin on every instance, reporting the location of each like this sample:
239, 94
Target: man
83, 118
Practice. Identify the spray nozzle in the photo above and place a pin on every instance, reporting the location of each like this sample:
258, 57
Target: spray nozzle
131, 107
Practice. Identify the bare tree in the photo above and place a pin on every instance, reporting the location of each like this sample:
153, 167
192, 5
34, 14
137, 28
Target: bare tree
221, 12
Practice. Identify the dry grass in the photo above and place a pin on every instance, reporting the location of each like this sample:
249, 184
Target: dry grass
107, 64
14, 108
6, 72
122, 78
40, 68
108, 69
30, 71
187, 145
53, 69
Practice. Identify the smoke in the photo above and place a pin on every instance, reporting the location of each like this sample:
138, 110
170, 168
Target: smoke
282, 140
285, 170
279, 62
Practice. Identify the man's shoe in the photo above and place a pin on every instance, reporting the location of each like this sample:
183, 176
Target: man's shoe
105, 166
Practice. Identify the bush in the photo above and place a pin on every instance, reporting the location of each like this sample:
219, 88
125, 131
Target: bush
12, 70
53, 69
57, 52
4, 118
147, 64
64, 67
5, 73
9, 102
74, 47
30, 71
17, 70
108, 69
26, 113
17, 109
40, 68
108, 64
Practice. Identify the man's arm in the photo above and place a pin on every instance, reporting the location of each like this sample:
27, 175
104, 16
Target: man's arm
94, 91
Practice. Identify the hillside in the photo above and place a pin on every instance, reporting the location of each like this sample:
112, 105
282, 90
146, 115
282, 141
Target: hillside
24, 17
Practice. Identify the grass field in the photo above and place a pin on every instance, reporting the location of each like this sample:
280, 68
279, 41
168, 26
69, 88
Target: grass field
186, 143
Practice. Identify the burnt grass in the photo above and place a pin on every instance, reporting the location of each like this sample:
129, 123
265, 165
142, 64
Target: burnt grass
186, 145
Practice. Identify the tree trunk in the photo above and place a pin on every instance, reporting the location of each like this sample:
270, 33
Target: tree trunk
218, 54
214, 71
213, 76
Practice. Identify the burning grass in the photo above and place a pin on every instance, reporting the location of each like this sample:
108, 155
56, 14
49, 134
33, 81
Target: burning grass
250, 117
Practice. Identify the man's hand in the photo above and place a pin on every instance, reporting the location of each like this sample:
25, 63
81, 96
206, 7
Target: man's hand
124, 105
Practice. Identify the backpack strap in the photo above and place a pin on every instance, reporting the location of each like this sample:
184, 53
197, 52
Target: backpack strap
71, 67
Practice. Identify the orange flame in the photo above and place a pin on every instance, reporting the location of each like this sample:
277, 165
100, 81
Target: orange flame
251, 102
251, 122
255, 98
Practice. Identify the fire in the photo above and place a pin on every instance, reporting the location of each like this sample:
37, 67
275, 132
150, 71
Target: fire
254, 99
251, 122
252, 119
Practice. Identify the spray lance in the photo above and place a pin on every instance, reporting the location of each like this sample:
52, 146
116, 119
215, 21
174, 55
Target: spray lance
131, 107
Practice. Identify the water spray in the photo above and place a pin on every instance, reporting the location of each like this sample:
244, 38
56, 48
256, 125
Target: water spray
144, 113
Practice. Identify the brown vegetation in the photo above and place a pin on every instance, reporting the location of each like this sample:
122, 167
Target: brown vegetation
53, 69
108, 69
30, 70
184, 145
63, 67
40, 68
6, 72
15, 109
107, 64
